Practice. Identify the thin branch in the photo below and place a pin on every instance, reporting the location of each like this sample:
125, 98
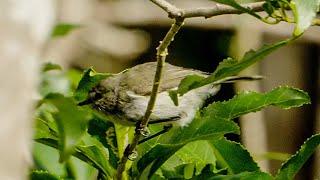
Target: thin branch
207, 12
219, 9
142, 126
172, 10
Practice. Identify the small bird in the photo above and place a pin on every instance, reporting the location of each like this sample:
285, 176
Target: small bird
123, 98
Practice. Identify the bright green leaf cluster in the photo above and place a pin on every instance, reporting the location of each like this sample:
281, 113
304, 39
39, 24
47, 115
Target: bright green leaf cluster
77, 131
215, 121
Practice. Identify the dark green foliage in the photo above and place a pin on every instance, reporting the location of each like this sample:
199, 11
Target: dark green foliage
89, 79
42, 175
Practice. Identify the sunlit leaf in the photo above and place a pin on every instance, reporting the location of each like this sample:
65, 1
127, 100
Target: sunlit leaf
98, 155
202, 128
233, 156
246, 102
72, 123
214, 121
42, 130
198, 154
88, 150
47, 158
182, 171
304, 12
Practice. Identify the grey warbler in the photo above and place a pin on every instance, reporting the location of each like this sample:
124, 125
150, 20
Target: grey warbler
123, 98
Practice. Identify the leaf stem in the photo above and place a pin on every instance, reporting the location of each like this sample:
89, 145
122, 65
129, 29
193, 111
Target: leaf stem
162, 52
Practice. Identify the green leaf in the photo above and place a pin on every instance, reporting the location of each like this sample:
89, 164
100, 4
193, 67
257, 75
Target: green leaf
41, 175
54, 83
43, 117
241, 176
82, 170
268, 8
46, 158
182, 171
104, 131
214, 121
63, 82
238, 6
290, 168
42, 130
246, 102
71, 121
90, 151
174, 97
233, 156
89, 79
279, 156
304, 13
50, 66
201, 128
63, 29
230, 67
189, 82
74, 77
198, 154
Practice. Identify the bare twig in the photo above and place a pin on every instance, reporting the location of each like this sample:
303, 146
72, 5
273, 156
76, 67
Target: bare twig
207, 12
172, 10
219, 9
161, 57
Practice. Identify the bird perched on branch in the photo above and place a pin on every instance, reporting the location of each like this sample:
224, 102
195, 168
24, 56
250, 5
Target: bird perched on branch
124, 97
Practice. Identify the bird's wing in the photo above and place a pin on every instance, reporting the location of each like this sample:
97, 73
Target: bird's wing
139, 79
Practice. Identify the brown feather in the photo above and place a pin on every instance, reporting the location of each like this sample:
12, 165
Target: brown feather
139, 79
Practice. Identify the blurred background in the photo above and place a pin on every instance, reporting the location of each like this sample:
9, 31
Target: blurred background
116, 34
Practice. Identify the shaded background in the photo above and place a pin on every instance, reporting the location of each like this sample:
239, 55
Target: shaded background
120, 34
